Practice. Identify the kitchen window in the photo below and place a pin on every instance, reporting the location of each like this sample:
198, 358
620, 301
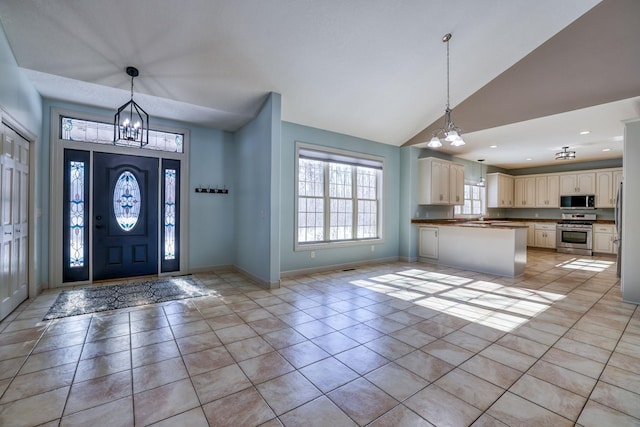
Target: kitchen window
474, 202
338, 197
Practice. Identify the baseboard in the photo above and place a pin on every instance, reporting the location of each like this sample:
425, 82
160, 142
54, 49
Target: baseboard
333, 267
258, 281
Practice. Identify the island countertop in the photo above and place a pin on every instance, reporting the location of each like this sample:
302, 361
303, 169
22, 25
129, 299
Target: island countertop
467, 223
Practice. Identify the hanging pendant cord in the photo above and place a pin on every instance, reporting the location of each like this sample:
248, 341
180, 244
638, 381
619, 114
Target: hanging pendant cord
447, 74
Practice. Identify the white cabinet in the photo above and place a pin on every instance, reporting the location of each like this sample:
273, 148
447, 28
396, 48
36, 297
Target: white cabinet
524, 192
604, 239
456, 184
440, 182
428, 242
548, 191
607, 183
545, 235
578, 183
499, 190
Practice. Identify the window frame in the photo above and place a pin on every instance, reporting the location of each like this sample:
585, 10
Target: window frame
483, 201
329, 155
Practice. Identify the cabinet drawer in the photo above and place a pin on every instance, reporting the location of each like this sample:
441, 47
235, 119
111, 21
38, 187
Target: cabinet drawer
603, 228
548, 227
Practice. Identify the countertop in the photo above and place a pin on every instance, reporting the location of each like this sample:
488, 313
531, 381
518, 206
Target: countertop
492, 222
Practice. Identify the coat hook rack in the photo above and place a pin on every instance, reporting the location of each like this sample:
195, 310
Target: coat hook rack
210, 190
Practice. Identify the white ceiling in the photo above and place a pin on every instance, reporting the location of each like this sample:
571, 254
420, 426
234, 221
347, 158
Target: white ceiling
374, 69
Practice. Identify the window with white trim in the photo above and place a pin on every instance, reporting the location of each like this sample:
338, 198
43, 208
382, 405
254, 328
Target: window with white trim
474, 201
338, 196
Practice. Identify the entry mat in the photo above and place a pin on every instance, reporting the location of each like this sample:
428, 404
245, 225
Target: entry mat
131, 294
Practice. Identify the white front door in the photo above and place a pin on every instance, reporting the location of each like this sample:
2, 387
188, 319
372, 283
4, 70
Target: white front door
14, 220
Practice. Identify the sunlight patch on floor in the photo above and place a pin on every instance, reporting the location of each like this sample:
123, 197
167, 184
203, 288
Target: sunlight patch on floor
479, 301
586, 264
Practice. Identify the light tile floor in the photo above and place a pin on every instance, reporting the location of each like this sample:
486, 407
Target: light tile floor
383, 345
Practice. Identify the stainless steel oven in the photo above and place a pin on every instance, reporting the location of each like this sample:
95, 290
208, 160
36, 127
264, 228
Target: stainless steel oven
574, 234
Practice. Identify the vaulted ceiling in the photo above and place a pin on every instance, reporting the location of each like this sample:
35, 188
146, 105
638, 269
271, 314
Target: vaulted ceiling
371, 69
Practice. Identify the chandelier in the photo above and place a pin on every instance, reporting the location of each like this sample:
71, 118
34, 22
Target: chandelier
131, 122
565, 154
450, 132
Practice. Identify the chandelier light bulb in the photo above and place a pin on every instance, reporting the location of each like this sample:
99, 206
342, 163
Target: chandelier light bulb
434, 142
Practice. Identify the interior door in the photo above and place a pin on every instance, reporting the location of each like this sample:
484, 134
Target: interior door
14, 220
125, 216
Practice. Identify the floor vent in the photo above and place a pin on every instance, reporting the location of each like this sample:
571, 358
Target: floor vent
349, 269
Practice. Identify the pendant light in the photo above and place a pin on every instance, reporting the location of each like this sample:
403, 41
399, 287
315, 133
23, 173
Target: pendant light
450, 132
131, 122
481, 183
565, 154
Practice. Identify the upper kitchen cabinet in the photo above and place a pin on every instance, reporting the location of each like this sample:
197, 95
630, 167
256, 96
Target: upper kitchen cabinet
524, 192
456, 184
548, 191
499, 190
440, 182
578, 183
607, 183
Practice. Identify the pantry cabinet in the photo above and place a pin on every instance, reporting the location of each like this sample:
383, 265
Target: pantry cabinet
440, 182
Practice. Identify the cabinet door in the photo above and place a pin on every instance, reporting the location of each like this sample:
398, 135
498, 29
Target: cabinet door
586, 183
603, 242
444, 183
428, 245
505, 184
568, 184
519, 192
540, 238
604, 190
456, 184
530, 192
553, 191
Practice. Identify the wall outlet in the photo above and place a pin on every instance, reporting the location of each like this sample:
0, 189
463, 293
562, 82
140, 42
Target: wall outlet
417, 214
312, 254
536, 214
373, 248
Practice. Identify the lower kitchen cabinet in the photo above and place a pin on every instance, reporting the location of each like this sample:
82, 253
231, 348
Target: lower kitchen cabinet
545, 236
428, 242
604, 239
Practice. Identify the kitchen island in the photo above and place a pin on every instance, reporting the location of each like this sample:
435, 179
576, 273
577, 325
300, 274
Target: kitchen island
494, 247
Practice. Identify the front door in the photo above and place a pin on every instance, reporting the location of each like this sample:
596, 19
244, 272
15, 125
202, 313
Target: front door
125, 216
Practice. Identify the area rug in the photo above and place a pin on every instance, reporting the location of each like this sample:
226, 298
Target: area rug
110, 297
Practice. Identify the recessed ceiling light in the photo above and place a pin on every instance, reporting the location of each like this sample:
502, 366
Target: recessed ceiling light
606, 149
528, 159
585, 132
493, 146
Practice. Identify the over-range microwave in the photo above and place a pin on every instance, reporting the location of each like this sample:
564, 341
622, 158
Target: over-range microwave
583, 201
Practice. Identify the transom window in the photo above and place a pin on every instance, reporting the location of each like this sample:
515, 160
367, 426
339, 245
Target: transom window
102, 133
338, 196
474, 201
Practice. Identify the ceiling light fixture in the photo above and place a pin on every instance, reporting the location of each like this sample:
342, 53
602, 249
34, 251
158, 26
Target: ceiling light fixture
565, 154
481, 183
493, 146
450, 132
131, 125
585, 132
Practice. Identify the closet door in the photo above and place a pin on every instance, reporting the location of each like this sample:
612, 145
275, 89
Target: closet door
14, 220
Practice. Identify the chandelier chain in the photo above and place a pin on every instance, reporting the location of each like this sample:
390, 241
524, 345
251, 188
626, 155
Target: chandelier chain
447, 73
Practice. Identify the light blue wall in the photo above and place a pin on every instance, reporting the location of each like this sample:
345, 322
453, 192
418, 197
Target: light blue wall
20, 100
18, 96
211, 219
257, 200
292, 260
